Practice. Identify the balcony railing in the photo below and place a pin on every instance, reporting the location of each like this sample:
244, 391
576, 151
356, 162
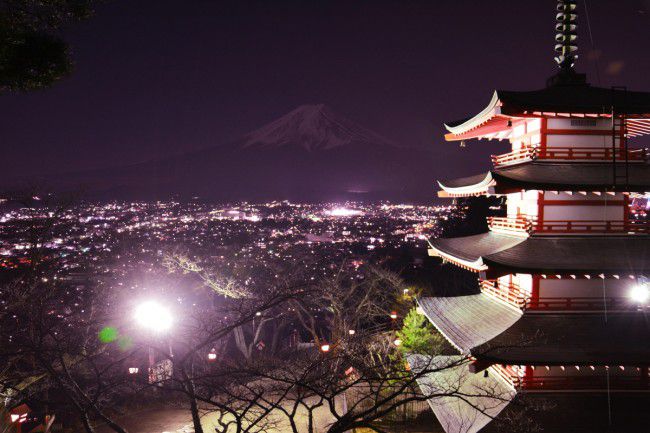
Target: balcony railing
570, 154
637, 380
511, 293
519, 224
578, 304
590, 226
524, 224
586, 382
520, 155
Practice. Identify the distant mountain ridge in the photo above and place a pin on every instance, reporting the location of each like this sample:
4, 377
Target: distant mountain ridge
309, 154
313, 127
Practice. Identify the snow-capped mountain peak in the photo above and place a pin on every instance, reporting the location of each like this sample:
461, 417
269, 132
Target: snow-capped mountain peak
313, 127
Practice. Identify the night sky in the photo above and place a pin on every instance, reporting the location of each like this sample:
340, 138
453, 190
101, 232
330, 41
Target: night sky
155, 77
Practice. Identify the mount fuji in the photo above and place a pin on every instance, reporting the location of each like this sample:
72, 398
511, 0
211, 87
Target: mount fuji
309, 154
313, 127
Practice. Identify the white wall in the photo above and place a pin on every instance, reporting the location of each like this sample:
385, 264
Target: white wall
593, 288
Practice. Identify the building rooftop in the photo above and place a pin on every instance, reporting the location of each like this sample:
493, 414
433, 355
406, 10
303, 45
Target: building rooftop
553, 176
488, 329
556, 100
472, 401
480, 404
503, 254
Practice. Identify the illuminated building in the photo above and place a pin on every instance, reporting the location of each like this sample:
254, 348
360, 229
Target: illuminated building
560, 311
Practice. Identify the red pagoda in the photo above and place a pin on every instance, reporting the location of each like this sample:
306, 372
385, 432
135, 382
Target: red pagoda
558, 324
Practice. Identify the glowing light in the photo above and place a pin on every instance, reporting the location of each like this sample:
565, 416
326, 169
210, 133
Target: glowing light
14, 417
640, 293
352, 332
393, 315
212, 355
343, 212
325, 348
133, 370
153, 316
397, 342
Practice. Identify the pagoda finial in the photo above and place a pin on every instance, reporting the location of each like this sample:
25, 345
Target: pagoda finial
566, 35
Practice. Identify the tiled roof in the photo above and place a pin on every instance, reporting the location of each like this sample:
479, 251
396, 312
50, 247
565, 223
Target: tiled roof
553, 176
567, 339
472, 401
468, 321
626, 254
484, 327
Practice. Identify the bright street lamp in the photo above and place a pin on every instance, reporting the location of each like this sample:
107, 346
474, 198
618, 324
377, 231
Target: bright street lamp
156, 319
153, 316
640, 293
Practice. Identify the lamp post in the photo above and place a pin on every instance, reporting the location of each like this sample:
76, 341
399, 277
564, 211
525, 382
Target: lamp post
640, 293
156, 319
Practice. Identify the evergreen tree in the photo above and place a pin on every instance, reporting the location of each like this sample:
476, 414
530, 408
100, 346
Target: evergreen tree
418, 335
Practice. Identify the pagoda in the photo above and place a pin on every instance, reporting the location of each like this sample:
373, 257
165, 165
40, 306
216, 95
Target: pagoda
558, 324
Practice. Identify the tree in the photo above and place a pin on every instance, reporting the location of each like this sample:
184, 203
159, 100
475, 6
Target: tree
32, 54
418, 336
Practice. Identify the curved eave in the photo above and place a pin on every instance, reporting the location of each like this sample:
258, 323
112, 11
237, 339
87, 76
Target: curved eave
468, 187
549, 176
543, 339
502, 254
489, 118
471, 265
469, 251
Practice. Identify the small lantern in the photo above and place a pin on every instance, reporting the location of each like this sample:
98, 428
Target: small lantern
212, 356
393, 315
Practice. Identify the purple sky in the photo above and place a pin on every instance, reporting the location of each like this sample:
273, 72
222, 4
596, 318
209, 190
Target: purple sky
157, 77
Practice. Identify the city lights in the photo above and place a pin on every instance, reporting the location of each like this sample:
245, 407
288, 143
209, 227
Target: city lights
344, 212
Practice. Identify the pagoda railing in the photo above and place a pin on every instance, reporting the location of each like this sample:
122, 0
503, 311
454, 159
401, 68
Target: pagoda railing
578, 304
637, 380
586, 382
518, 224
529, 225
590, 226
520, 155
511, 293
571, 154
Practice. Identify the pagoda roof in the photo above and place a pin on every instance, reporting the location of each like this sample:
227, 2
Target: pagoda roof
558, 100
479, 404
553, 176
471, 401
504, 254
488, 329
564, 339
575, 412
469, 321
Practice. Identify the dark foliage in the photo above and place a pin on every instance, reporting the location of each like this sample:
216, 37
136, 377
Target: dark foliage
32, 54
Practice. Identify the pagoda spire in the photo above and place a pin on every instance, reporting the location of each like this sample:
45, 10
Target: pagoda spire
566, 35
